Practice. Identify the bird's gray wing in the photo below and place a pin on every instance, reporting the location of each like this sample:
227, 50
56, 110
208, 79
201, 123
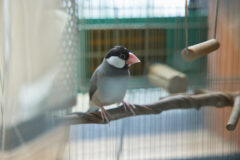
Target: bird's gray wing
93, 84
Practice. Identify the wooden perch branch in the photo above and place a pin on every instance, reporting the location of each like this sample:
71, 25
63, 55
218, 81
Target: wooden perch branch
202, 49
197, 100
232, 122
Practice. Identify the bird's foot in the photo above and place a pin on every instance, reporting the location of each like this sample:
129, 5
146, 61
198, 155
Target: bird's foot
129, 106
105, 115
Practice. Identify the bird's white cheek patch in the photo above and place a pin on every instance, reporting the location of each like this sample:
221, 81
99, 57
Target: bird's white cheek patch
116, 62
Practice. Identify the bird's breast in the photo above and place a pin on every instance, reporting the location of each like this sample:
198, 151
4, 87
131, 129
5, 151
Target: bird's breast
112, 89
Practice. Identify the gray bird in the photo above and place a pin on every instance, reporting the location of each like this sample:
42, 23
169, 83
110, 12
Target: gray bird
108, 84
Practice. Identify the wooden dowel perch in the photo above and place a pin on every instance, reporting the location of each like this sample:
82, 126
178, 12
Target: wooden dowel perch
197, 51
232, 122
217, 99
168, 78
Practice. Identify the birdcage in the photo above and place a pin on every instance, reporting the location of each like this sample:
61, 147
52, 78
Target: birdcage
53, 123
156, 32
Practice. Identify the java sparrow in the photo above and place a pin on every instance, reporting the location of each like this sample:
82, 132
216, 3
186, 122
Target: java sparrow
108, 84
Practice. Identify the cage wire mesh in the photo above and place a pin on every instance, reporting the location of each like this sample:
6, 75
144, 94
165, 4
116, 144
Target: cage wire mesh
42, 76
67, 81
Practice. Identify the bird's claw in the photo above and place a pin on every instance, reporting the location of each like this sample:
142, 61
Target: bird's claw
129, 106
105, 115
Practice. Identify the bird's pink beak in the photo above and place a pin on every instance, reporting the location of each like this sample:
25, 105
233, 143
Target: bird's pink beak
132, 59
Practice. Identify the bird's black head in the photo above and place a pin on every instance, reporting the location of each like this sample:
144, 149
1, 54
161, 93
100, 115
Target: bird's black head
118, 51
120, 57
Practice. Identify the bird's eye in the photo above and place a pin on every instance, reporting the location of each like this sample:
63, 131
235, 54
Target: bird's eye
122, 56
